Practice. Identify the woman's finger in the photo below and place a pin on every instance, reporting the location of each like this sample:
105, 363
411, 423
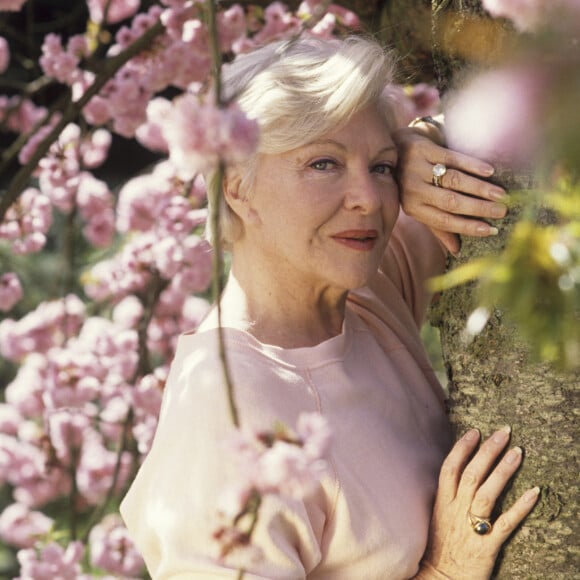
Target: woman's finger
479, 467
510, 519
448, 222
486, 496
457, 180
453, 465
461, 161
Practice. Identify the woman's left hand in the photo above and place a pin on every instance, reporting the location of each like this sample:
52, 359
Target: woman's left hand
462, 197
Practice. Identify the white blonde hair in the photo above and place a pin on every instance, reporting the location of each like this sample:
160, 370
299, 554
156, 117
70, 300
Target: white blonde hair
299, 90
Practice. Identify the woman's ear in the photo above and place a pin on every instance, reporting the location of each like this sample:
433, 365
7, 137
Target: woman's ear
237, 196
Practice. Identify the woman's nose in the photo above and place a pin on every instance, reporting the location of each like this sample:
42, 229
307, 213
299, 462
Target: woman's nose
364, 194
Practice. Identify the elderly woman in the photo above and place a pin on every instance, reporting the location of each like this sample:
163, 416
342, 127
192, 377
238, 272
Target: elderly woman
321, 313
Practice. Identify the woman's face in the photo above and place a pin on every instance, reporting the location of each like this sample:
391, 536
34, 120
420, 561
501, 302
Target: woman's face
323, 213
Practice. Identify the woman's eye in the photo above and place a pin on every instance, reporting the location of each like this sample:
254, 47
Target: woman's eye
383, 168
323, 164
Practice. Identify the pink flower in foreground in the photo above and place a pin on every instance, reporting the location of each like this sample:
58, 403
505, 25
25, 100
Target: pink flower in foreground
525, 14
117, 10
531, 15
497, 116
10, 291
11, 5
199, 135
21, 527
281, 462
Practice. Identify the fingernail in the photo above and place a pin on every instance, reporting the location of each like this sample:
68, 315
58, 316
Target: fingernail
498, 194
498, 210
486, 230
513, 455
501, 435
487, 170
471, 435
532, 494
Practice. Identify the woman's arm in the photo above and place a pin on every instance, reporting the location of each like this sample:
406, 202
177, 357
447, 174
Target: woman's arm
464, 202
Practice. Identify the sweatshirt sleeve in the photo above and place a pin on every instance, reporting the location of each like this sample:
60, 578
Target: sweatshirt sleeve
171, 507
413, 255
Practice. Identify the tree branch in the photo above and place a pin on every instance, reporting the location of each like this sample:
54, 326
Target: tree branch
20, 180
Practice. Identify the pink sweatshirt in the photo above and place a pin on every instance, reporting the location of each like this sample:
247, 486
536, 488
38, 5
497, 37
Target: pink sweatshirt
369, 518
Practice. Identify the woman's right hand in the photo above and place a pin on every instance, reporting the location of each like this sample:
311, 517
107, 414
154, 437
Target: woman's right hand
466, 487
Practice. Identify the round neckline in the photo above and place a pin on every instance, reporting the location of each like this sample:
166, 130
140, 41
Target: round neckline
306, 356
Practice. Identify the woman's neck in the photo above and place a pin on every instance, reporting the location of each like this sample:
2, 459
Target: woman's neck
288, 317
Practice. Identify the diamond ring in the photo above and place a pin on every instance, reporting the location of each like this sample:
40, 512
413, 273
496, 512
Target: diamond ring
439, 170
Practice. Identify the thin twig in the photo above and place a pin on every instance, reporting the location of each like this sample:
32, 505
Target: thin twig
215, 195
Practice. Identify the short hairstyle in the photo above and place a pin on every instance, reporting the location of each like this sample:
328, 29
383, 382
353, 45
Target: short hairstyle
299, 90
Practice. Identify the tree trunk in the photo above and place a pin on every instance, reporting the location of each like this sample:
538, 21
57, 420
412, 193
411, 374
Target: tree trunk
493, 381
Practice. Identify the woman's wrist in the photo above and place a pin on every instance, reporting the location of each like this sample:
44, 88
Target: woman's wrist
429, 572
430, 127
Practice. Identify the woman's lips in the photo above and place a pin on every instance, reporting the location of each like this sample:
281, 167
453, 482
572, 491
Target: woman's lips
362, 240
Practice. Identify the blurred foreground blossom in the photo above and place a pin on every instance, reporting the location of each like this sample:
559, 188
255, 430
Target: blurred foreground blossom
200, 135
531, 15
498, 116
279, 462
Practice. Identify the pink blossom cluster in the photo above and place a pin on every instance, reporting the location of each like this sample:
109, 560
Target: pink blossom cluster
50, 324
280, 462
199, 135
111, 11
64, 180
161, 212
112, 550
169, 61
20, 526
60, 63
18, 114
52, 561
27, 221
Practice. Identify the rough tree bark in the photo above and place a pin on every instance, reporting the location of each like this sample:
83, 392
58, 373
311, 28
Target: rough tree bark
493, 382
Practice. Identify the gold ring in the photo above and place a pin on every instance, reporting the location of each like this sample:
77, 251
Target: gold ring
479, 525
439, 170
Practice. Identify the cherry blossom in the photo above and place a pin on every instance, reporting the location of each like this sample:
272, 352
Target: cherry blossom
22, 527
112, 550
116, 10
52, 561
199, 135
